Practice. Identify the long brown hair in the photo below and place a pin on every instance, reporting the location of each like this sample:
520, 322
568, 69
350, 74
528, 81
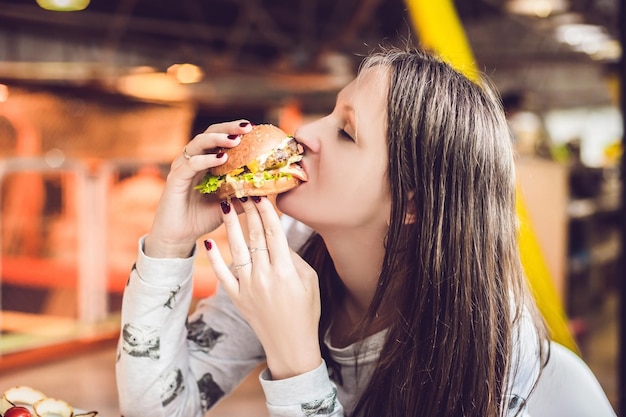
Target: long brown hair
451, 278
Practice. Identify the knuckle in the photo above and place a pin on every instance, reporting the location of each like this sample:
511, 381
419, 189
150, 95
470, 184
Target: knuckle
256, 234
230, 221
238, 251
248, 208
272, 231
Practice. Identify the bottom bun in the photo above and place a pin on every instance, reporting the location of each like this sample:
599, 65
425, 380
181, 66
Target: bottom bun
246, 189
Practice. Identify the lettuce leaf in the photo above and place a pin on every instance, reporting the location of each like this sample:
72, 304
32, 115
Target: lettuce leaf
210, 183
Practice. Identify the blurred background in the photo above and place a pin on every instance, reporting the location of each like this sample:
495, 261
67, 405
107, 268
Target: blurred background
97, 97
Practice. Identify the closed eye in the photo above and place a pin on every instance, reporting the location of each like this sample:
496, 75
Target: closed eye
345, 134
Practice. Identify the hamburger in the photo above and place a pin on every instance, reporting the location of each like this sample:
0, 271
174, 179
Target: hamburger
264, 163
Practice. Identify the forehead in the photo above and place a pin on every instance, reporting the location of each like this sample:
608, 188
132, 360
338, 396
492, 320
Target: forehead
362, 105
370, 86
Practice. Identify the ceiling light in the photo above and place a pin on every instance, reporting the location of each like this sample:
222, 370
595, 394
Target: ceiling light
609, 50
591, 39
63, 5
539, 8
152, 86
576, 34
186, 73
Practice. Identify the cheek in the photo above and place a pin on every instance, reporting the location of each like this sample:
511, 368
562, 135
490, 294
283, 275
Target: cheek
340, 193
340, 198
367, 193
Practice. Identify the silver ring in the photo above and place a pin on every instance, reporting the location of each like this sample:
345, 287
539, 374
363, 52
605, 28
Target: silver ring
185, 154
238, 267
258, 249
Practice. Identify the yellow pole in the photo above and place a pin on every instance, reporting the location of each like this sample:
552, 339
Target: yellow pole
440, 30
540, 280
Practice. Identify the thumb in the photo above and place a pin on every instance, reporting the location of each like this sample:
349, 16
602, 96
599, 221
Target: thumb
306, 272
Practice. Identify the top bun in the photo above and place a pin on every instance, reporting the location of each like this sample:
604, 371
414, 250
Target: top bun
260, 140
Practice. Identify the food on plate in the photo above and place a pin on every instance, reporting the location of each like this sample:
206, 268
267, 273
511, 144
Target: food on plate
266, 162
17, 411
19, 396
52, 407
24, 401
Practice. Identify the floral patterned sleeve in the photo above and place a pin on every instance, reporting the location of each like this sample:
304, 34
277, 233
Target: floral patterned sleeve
170, 363
309, 394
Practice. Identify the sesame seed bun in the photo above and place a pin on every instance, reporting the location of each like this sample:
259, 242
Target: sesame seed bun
260, 140
266, 162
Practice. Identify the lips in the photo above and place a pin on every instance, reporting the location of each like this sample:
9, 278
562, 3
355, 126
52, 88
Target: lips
302, 166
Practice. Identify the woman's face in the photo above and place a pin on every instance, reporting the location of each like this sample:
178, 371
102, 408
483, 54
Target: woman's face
346, 160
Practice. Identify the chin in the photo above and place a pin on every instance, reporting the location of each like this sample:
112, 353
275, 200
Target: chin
294, 203
285, 202
298, 205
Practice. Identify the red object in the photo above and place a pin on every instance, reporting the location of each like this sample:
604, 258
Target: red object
18, 411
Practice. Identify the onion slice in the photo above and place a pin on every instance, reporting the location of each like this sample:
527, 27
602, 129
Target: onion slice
49, 407
20, 396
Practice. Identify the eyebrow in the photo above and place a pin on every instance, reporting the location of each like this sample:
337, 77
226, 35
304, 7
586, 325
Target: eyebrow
351, 117
347, 108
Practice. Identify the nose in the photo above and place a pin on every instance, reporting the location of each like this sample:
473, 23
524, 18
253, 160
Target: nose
309, 136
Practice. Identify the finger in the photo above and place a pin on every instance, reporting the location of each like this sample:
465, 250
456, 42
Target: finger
210, 143
193, 169
216, 137
273, 234
236, 241
199, 163
240, 126
306, 273
222, 272
259, 251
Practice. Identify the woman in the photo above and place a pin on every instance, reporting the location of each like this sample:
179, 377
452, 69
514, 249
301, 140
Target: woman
409, 298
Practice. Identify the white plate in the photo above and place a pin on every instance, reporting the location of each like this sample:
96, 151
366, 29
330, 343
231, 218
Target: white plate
77, 412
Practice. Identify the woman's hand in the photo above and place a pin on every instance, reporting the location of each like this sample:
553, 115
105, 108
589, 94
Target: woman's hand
184, 214
275, 290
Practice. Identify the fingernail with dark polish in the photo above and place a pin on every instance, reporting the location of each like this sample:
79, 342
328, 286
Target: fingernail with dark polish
232, 137
243, 124
225, 207
220, 155
256, 199
243, 199
208, 245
